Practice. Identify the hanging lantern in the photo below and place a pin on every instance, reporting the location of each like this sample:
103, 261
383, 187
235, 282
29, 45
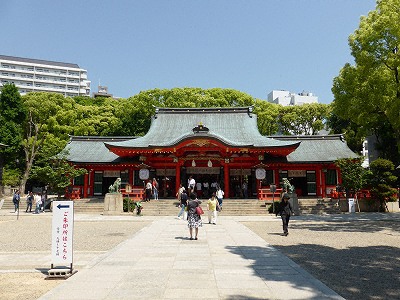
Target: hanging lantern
193, 163
209, 164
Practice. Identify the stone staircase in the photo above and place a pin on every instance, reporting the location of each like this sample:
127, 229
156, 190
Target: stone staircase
231, 207
318, 206
169, 207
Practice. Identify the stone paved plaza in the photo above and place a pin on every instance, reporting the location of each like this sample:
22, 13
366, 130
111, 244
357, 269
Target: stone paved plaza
127, 257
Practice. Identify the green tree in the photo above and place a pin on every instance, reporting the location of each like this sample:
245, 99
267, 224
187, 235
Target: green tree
368, 93
354, 176
267, 117
136, 111
352, 132
49, 122
57, 173
12, 115
381, 180
305, 119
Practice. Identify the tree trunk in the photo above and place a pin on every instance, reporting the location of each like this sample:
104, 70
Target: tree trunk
25, 177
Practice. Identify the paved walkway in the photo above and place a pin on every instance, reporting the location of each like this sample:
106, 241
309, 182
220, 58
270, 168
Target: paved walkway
160, 262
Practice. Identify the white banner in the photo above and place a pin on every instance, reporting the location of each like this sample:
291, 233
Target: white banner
62, 233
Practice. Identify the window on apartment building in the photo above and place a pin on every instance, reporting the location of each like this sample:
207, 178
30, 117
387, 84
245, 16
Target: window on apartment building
4, 74
5, 66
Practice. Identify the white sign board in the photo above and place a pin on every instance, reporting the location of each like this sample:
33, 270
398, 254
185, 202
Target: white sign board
62, 233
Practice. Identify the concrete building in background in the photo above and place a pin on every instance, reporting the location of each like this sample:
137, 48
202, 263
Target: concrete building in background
286, 98
102, 91
35, 75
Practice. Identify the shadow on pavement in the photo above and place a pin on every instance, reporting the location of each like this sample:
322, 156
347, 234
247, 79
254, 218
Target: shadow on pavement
354, 273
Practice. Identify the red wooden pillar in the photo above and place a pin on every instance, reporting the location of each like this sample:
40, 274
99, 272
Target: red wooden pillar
130, 174
226, 180
85, 185
258, 182
177, 177
276, 176
323, 183
91, 180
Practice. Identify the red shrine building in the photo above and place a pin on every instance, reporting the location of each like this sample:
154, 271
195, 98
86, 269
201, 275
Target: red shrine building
216, 146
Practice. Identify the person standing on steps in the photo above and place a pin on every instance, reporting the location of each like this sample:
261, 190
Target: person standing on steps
155, 188
148, 190
191, 185
220, 195
285, 211
179, 193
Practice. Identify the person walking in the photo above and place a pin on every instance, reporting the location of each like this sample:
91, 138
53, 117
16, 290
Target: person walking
285, 211
194, 220
220, 195
29, 201
16, 200
212, 206
155, 189
184, 200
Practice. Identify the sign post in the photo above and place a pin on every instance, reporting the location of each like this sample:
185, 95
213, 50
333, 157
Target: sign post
272, 188
62, 240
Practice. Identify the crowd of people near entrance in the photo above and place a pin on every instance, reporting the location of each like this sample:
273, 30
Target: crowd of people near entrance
34, 201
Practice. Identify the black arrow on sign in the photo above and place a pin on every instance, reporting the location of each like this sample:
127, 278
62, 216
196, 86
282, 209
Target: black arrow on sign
59, 206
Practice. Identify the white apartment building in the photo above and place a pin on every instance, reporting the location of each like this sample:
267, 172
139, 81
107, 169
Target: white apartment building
35, 75
286, 98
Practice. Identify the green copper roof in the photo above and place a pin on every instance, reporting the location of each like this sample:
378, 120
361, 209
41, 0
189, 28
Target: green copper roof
312, 149
318, 148
91, 149
235, 127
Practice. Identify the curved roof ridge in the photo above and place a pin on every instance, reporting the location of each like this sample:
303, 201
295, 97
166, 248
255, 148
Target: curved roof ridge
234, 126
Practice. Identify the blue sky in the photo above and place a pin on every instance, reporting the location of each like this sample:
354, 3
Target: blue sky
254, 46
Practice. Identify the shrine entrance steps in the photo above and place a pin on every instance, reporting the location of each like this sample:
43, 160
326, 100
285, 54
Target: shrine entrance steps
231, 207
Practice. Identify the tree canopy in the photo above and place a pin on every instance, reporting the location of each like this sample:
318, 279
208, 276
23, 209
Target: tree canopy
368, 92
12, 115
